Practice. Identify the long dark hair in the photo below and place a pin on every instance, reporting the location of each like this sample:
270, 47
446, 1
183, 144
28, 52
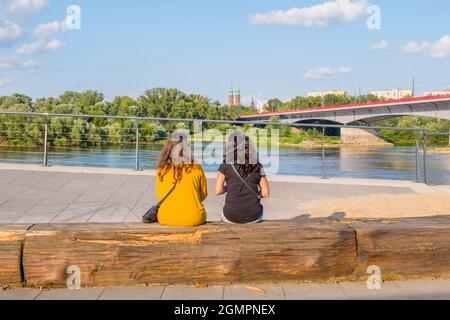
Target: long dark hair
242, 153
175, 157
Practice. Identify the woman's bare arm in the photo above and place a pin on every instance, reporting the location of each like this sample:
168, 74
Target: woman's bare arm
265, 189
220, 181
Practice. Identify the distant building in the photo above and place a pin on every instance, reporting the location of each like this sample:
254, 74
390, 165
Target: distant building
394, 94
237, 97
437, 93
261, 105
234, 98
326, 93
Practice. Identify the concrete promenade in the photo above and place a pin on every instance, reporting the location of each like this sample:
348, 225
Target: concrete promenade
408, 290
33, 194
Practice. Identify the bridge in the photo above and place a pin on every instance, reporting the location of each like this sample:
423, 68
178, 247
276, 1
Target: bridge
435, 107
371, 112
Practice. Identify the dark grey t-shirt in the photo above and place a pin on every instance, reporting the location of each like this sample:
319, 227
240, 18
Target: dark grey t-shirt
241, 204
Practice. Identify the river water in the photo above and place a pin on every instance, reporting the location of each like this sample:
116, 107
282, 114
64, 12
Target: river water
393, 163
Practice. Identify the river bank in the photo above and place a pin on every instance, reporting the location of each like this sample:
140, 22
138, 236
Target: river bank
445, 150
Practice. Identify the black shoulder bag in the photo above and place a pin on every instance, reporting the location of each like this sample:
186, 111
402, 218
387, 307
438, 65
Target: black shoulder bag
246, 184
152, 215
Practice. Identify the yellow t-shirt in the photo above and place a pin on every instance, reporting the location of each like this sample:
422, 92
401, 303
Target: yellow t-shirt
184, 207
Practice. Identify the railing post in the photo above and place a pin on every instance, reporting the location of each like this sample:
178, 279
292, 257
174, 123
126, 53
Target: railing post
417, 156
45, 164
198, 140
138, 165
425, 158
324, 174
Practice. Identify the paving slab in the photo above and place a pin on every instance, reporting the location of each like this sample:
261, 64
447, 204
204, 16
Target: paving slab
55, 182
313, 292
111, 213
9, 175
112, 195
103, 189
10, 213
35, 193
425, 290
412, 290
192, 293
8, 190
282, 208
16, 207
59, 197
64, 294
24, 294
41, 214
254, 292
138, 293
359, 291
81, 184
31, 178
77, 213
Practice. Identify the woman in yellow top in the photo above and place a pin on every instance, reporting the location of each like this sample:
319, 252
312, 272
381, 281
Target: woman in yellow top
184, 207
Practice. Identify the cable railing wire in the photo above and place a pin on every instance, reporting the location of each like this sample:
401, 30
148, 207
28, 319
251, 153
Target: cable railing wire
96, 135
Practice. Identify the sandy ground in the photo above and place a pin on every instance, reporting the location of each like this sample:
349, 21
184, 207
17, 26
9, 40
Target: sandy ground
381, 206
440, 151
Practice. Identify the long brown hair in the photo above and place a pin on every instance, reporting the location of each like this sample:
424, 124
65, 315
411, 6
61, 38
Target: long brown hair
241, 153
175, 157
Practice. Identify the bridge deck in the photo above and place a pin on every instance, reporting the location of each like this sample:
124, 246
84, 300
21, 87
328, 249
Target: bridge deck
31, 194
417, 102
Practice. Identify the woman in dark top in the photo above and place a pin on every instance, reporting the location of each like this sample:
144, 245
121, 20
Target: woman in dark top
242, 178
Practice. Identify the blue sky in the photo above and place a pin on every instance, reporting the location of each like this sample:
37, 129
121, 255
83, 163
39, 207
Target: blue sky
200, 46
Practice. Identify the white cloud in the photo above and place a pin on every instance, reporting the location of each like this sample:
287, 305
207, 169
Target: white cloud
26, 8
9, 32
414, 47
31, 64
322, 15
5, 81
326, 73
11, 63
380, 45
437, 50
40, 46
344, 70
46, 29
55, 45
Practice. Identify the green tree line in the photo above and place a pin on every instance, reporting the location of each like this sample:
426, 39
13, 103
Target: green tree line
162, 103
155, 103
299, 102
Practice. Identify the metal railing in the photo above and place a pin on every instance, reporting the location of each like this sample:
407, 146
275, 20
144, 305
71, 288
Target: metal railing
421, 134
426, 136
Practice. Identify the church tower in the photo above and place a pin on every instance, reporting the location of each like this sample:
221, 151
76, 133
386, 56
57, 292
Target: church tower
231, 96
237, 99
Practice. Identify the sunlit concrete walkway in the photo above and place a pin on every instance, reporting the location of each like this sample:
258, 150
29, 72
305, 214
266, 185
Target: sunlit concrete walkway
421, 290
32, 194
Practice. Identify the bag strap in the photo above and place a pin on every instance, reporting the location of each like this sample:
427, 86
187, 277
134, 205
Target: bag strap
167, 195
245, 183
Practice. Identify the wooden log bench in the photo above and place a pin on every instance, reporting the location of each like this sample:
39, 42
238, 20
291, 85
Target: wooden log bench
136, 254
413, 248
316, 250
11, 244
